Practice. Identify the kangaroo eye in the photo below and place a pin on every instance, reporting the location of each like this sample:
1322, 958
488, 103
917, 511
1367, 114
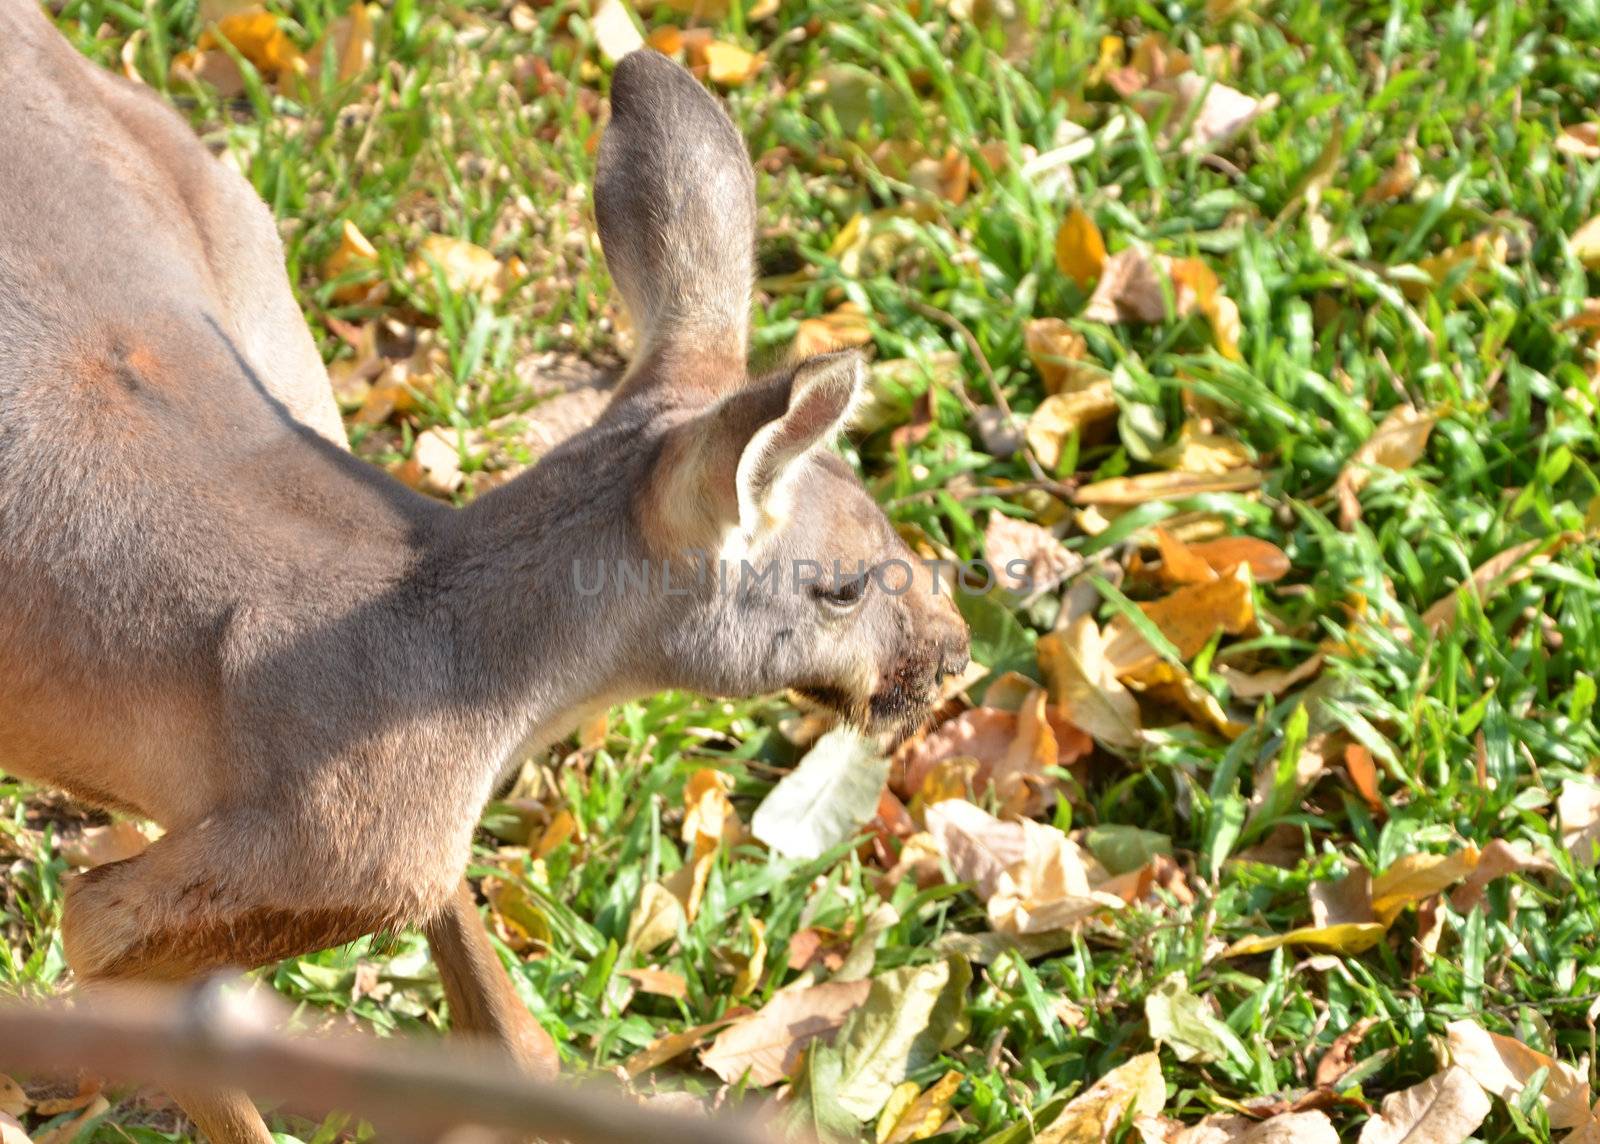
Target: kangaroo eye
842, 594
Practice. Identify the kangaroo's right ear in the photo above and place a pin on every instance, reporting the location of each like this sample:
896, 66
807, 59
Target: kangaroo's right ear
674, 197
724, 477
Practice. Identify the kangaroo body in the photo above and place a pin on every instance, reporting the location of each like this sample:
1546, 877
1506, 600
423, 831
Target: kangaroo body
214, 616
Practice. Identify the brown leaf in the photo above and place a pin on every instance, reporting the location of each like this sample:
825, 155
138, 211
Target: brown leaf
1444, 1109
1164, 486
1580, 140
1345, 901
1130, 289
1084, 685
1363, 772
466, 267
1396, 444
1272, 681
355, 256
1025, 557
67, 1132
979, 847
1179, 563
767, 1043
1503, 1066
1341, 1055
1080, 250
257, 36
1198, 451
1397, 181
1059, 353
1498, 859
1498, 572
664, 1048
661, 982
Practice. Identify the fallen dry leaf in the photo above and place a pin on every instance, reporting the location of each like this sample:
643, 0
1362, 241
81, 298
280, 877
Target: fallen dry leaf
1498, 859
840, 328
766, 1045
661, 982
1060, 355
1189, 617
465, 267
1130, 290
1088, 412
1025, 557
1084, 684
1247, 685
1197, 450
1498, 572
1080, 249
256, 35
1503, 1066
1341, 1055
1580, 140
728, 65
1220, 113
1397, 444
1578, 809
1125, 491
434, 466
920, 1114
979, 847
1444, 1109
354, 256
1363, 772
656, 918
1417, 876
665, 1048
1049, 889
1351, 938
67, 1132
1092, 1115
1585, 244
1397, 181
616, 33
13, 1101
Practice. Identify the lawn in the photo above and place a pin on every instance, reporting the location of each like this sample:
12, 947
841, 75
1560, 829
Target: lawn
1261, 332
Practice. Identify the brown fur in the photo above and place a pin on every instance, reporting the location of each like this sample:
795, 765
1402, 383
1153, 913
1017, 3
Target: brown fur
213, 616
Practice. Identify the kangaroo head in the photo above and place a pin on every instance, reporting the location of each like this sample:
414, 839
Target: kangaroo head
785, 575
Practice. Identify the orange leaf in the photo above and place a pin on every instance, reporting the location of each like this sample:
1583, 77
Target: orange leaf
1080, 250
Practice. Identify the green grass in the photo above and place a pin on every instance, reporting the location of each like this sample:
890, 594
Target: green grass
448, 132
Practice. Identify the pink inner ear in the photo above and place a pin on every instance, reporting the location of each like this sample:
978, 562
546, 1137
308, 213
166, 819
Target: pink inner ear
821, 394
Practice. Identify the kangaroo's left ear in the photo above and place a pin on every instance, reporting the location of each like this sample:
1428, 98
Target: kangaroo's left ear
725, 475
821, 396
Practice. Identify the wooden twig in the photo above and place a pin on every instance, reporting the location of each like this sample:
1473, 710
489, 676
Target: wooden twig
412, 1090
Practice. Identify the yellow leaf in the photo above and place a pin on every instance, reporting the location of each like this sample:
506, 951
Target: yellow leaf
1197, 288
1179, 564
729, 65
749, 975
257, 36
1060, 415
1093, 1115
1199, 451
563, 827
467, 268
1189, 618
1165, 486
1418, 876
355, 255
709, 815
1059, 353
1084, 686
1080, 250
919, 1115
1349, 938
846, 326
655, 919
1585, 243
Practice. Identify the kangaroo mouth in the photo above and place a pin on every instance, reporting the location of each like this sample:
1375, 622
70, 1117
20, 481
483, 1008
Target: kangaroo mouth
895, 711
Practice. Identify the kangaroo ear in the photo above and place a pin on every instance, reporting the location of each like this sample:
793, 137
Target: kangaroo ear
821, 396
725, 475
674, 198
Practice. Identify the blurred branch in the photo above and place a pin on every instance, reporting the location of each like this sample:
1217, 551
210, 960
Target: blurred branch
410, 1089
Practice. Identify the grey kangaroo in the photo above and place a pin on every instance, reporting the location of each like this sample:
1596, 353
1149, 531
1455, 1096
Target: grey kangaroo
214, 616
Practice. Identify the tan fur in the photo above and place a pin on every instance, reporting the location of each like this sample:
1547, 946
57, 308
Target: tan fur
213, 616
